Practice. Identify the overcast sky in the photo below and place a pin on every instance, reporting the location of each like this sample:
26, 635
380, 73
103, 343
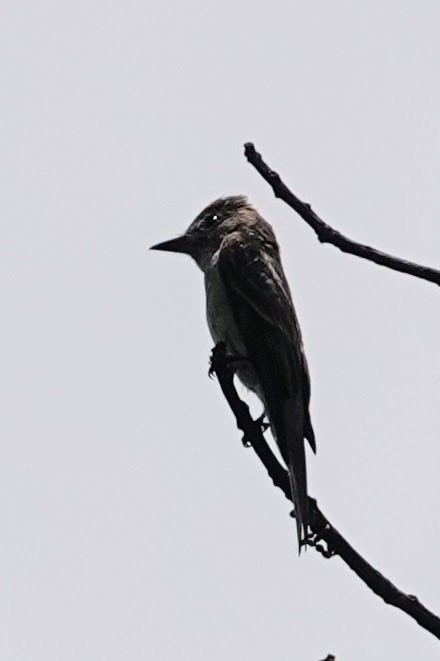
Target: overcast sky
133, 524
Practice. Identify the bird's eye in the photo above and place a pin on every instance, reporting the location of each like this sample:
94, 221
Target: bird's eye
211, 219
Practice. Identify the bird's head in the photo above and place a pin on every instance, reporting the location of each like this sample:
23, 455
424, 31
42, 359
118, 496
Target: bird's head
205, 234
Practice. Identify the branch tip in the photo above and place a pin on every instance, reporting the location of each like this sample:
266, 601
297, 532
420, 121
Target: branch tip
327, 234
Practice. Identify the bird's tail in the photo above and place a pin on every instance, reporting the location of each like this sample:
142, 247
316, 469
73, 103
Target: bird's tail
295, 458
298, 487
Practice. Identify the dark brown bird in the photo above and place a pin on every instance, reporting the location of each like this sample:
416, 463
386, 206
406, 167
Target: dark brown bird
250, 309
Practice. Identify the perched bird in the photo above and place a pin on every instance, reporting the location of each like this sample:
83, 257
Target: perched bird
250, 309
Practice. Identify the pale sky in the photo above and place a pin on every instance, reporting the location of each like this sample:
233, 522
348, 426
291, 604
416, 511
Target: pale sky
133, 524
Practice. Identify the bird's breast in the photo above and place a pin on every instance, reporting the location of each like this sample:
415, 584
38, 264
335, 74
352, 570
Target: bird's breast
223, 327
219, 314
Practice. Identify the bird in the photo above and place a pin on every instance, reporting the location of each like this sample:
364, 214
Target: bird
249, 309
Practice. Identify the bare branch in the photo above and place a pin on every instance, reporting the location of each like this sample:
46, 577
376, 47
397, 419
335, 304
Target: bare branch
327, 234
322, 530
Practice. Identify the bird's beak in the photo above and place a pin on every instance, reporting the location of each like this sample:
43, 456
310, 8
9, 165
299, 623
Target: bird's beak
179, 244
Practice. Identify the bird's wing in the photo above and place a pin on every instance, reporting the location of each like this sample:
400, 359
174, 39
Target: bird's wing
260, 300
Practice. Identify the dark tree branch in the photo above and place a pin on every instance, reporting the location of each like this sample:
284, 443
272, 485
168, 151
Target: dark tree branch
322, 530
327, 234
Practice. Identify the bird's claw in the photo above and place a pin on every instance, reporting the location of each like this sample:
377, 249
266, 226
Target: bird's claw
315, 540
220, 359
217, 359
262, 423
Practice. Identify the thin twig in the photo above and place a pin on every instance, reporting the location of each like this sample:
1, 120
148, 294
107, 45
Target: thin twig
322, 529
327, 234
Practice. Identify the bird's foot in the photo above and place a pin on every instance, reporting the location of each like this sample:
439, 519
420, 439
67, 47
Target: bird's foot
263, 422
217, 359
260, 425
321, 545
222, 360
